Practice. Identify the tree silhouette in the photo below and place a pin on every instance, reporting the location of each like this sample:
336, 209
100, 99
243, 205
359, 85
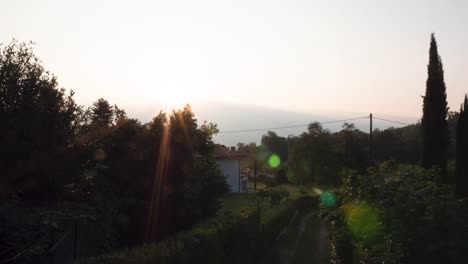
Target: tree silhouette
434, 121
102, 113
190, 182
276, 144
461, 173
39, 123
120, 115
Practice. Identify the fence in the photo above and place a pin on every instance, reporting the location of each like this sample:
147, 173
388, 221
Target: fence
81, 238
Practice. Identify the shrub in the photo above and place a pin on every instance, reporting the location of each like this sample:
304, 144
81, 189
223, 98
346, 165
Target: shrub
302, 189
281, 176
206, 185
273, 195
397, 215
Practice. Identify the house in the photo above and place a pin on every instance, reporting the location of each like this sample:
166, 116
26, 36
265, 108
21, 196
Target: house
229, 163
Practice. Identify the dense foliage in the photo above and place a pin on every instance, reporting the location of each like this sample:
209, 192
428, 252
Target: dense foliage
315, 160
314, 156
39, 123
398, 215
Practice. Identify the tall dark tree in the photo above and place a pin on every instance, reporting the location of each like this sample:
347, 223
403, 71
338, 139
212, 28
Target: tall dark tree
434, 121
39, 123
461, 172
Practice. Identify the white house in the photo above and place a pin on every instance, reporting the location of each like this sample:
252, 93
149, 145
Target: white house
229, 163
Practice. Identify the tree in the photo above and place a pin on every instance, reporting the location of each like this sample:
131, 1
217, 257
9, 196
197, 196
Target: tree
103, 113
39, 124
120, 115
434, 121
461, 173
187, 184
313, 159
354, 152
276, 144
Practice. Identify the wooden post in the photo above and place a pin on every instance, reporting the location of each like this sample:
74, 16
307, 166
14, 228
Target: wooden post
75, 240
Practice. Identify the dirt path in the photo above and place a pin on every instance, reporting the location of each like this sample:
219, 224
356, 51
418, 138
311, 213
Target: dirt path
304, 240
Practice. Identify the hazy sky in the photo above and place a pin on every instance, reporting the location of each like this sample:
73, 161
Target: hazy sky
308, 56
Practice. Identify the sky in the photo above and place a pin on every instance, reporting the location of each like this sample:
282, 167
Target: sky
296, 60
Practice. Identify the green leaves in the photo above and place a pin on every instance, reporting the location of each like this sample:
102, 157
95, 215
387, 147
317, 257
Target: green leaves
394, 213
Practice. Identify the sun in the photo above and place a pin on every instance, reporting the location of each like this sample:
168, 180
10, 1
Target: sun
173, 99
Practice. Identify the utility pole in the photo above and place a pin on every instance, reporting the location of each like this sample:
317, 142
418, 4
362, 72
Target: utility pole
289, 158
371, 146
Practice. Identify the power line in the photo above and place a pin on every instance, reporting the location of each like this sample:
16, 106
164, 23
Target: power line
304, 125
391, 121
294, 126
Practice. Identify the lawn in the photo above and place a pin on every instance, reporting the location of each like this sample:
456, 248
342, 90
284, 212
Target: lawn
233, 202
294, 190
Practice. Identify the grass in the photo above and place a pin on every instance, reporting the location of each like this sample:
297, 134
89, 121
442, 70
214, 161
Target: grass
234, 202
260, 185
293, 189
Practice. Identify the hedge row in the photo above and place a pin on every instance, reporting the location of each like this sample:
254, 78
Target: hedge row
340, 238
228, 238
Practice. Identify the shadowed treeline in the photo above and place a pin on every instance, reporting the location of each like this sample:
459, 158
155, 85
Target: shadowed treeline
135, 182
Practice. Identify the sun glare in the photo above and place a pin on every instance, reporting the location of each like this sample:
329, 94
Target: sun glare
173, 99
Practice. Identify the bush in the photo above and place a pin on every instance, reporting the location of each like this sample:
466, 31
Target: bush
273, 195
281, 176
397, 215
206, 185
302, 189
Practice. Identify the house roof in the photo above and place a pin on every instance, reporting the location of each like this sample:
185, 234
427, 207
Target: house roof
221, 152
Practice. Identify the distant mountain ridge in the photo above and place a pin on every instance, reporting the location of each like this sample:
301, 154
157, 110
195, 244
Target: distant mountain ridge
235, 117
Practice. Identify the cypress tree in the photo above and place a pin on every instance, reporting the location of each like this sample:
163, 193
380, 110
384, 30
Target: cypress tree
434, 121
461, 173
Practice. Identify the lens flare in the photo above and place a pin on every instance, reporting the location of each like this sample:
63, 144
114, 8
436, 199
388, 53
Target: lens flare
274, 161
363, 222
153, 228
328, 199
317, 191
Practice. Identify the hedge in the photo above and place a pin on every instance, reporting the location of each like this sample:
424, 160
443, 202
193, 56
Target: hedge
229, 238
